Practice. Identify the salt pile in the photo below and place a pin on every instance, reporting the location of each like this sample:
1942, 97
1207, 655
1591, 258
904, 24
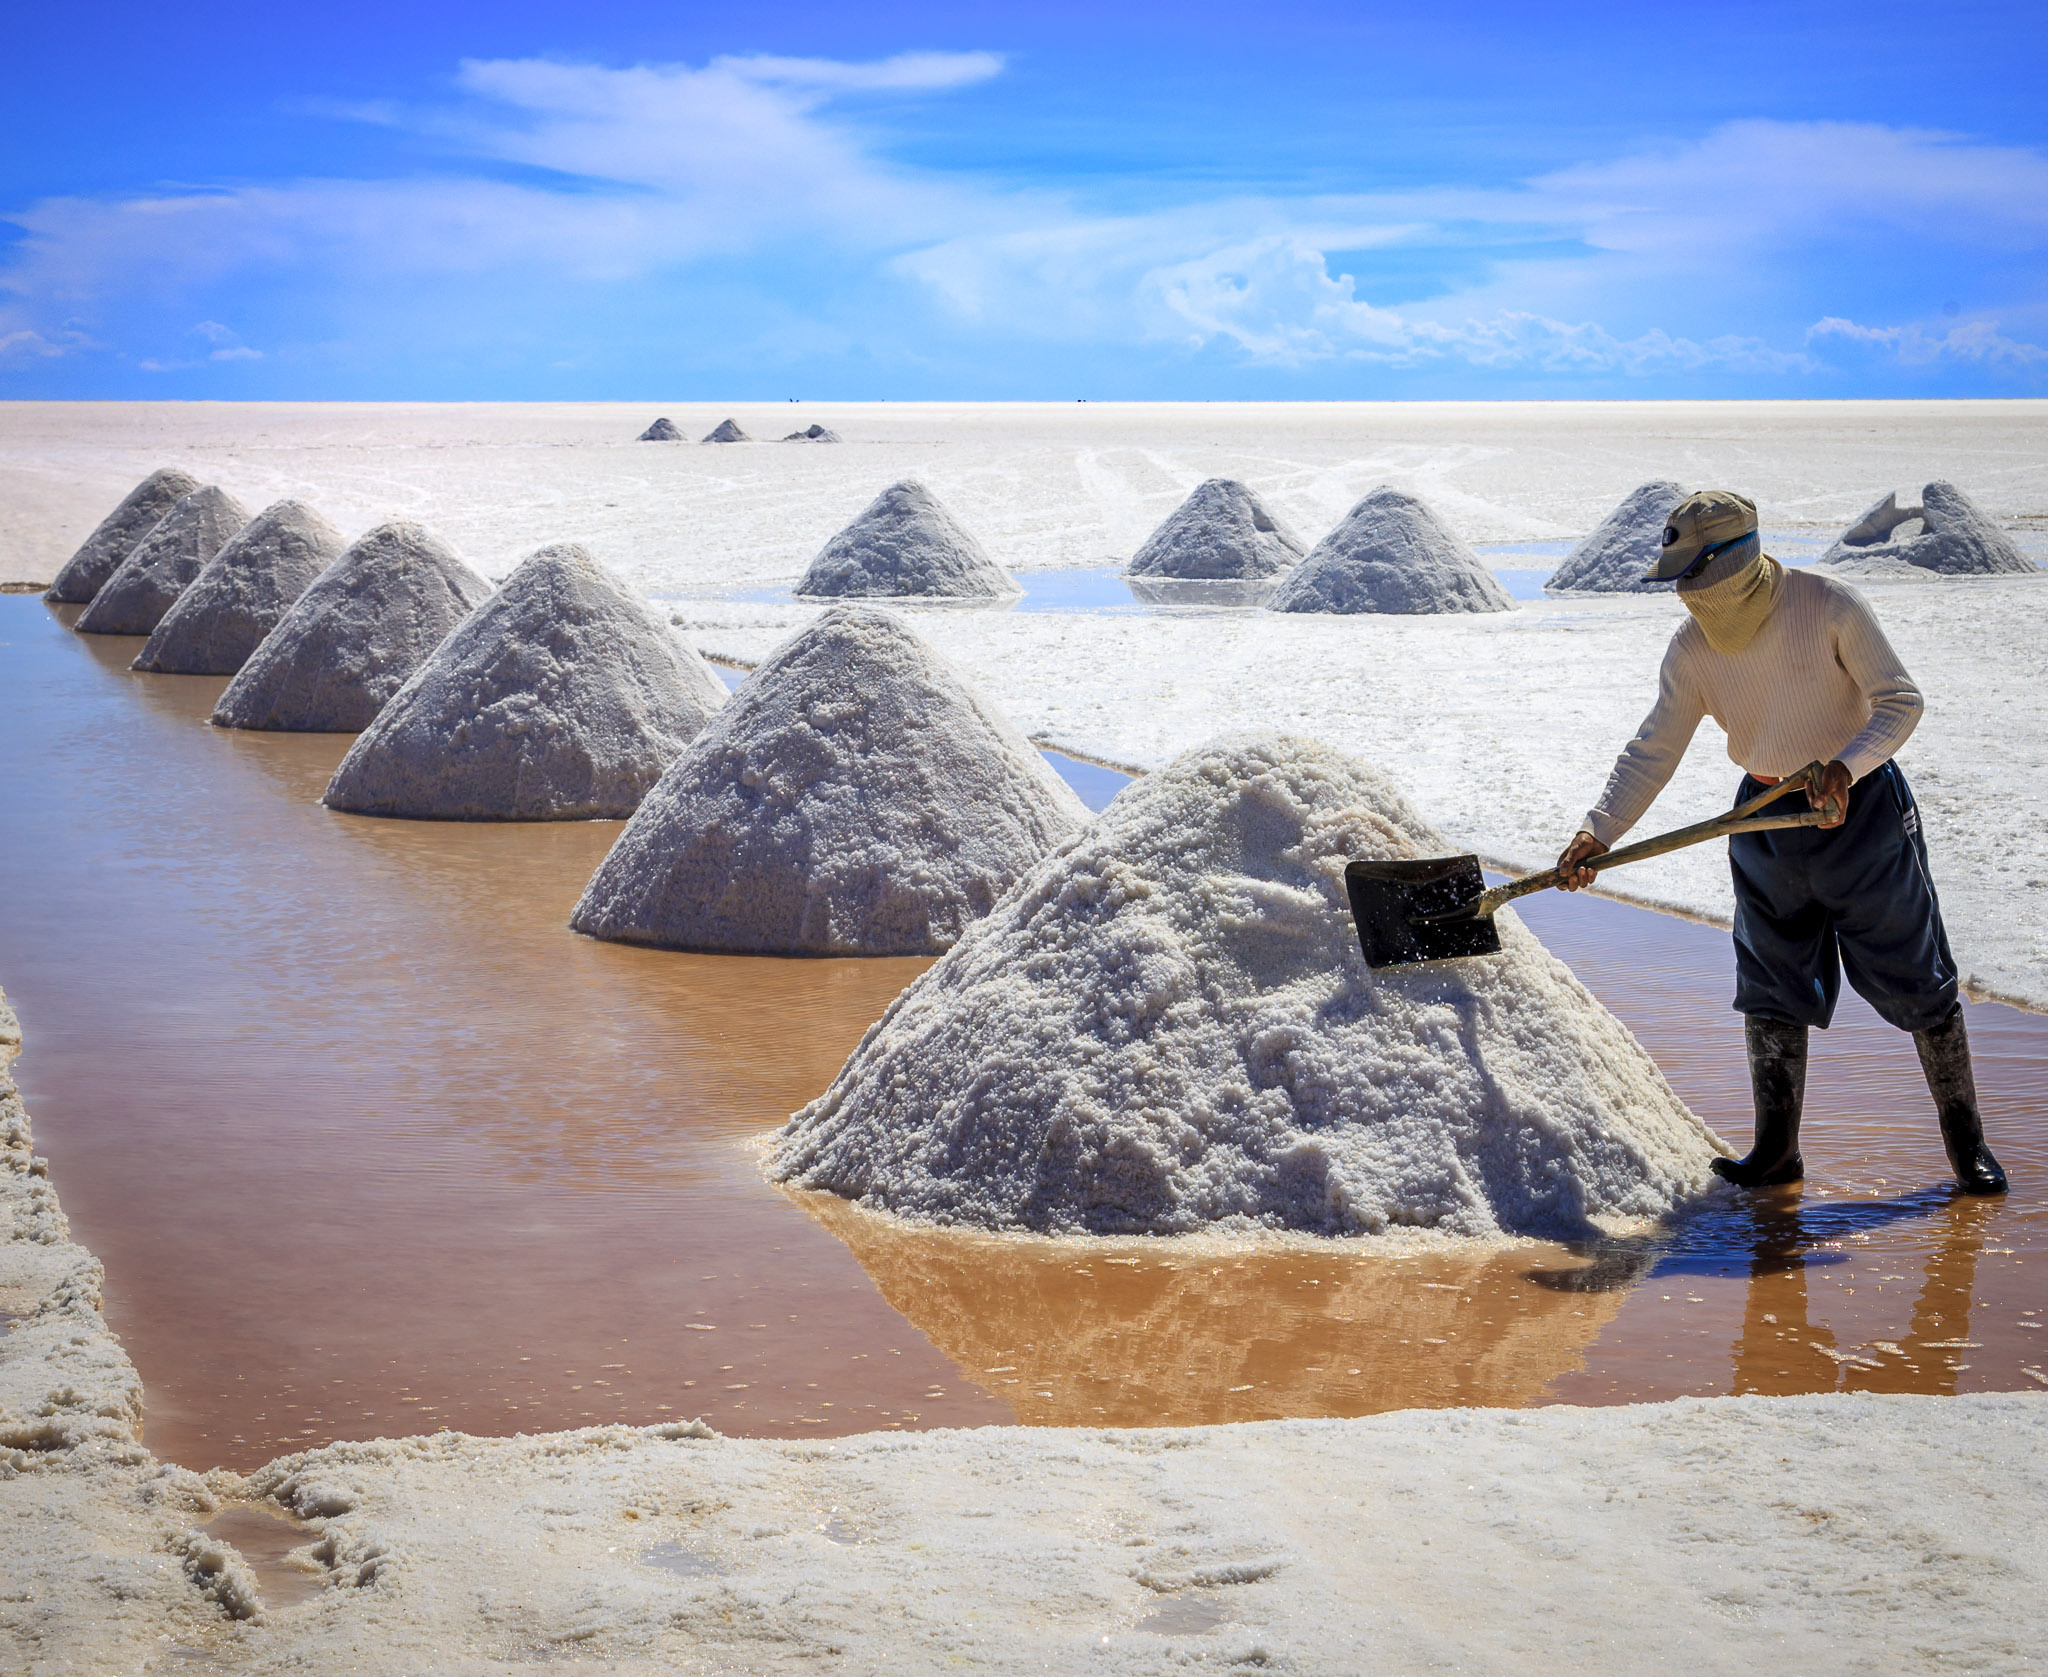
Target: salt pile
162, 565
661, 431
245, 588
1947, 534
561, 698
854, 797
1169, 1026
1626, 543
1390, 554
728, 432
349, 642
1223, 533
101, 553
905, 543
812, 434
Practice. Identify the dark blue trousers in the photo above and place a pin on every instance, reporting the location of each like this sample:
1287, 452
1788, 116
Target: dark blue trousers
1809, 903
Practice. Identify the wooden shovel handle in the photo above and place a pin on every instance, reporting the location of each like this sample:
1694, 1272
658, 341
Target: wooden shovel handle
1741, 819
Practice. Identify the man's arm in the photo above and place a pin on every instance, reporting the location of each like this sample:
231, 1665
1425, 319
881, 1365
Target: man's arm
1644, 767
1895, 703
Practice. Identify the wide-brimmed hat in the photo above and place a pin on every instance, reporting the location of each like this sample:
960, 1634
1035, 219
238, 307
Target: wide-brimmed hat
1704, 521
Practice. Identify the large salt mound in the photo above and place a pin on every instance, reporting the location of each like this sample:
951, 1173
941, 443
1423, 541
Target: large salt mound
1222, 532
1947, 534
1390, 554
215, 625
854, 797
1626, 543
162, 565
349, 642
1169, 1026
728, 431
661, 431
101, 553
561, 698
812, 434
904, 543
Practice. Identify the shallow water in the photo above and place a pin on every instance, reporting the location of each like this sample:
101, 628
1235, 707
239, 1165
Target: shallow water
370, 1143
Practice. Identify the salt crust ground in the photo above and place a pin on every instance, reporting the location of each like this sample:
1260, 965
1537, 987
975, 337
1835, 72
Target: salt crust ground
238, 597
1613, 559
1502, 728
1817, 1535
1169, 1025
350, 641
854, 797
563, 697
115, 536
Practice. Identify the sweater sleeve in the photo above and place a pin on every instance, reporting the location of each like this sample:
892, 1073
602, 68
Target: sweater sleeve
1648, 761
1895, 703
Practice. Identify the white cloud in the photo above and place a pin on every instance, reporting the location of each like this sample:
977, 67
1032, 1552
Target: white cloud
1978, 342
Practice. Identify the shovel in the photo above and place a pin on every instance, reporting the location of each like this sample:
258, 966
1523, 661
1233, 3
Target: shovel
1440, 909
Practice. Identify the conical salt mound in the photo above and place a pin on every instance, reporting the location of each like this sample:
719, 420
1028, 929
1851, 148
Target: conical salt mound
1221, 532
854, 797
100, 555
349, 642
1391, 554
561, 698
1947, 534
162, 565
1169, 1026
728, 431
1626, 543
905, 544
245, 588
661, 431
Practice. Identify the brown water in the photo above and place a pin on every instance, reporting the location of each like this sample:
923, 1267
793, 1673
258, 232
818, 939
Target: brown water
370, 1143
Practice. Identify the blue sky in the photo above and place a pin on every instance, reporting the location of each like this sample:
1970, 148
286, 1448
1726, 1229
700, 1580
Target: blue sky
683, 201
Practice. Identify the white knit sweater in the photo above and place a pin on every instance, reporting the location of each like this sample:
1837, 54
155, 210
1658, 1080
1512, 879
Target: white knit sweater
1818, 682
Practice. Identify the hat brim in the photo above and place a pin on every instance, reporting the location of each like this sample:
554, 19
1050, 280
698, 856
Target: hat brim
1671, 565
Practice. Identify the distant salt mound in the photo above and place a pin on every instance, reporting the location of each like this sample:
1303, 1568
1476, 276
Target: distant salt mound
1626, 543
728, 432
661, 431
905, 544
242, 593
1390, 554
162, 565
561, 698
349, 642
812, 434
854, 797
1221, 533
101, 553
1168, 1026
1947, 534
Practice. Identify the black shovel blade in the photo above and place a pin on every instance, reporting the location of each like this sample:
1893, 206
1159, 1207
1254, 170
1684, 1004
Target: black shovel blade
1389, 898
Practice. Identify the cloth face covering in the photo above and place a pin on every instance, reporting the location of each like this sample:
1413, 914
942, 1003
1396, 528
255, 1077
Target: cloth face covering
1734, 594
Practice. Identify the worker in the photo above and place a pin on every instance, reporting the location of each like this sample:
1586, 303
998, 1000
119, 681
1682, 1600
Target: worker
1795, 669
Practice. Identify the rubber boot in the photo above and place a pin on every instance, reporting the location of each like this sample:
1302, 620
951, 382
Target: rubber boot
1777, 1077
1945, 1058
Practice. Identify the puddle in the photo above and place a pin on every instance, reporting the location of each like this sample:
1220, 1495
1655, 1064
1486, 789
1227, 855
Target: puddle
459, 1168
678, 1561
265, 1540
1188, 1615
1093, 784
1091, 589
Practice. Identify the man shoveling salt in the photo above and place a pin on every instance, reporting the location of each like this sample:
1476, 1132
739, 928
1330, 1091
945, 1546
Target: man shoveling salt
1796, 670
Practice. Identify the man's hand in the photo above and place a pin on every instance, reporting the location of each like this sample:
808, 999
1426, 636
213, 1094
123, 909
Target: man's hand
1833, 788
1583, 848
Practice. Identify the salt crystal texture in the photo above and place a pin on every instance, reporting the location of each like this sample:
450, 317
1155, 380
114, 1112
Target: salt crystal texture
114, 538
1169, 1026
1221, 532
561, 698
1947, 534
350, 641
661, 431
1626, 543
904, 543
728, 431
854, 797
242, 593
1391, 554
162, 565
